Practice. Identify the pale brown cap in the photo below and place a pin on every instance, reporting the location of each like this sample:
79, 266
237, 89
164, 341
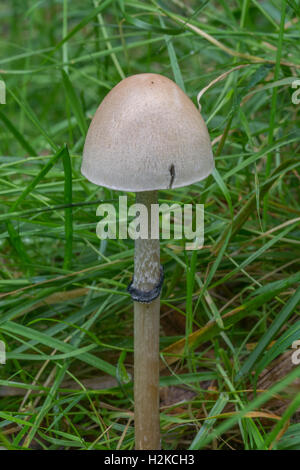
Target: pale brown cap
147, 135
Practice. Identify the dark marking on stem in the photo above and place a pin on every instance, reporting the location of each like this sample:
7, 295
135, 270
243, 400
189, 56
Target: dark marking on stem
172, 173
145, 297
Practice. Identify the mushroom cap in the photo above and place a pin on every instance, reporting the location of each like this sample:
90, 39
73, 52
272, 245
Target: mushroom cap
147, 135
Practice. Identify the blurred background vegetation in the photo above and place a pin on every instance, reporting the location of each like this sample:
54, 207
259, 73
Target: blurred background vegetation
230, 312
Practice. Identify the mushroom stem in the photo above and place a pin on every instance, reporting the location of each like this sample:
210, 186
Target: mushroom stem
147, 275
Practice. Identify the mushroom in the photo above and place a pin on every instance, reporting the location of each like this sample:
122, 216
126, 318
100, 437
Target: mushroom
146, 135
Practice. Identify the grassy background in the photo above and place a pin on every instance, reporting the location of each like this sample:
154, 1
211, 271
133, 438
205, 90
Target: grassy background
230, 311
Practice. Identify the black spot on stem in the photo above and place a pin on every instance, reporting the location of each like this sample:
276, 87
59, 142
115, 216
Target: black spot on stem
172, 173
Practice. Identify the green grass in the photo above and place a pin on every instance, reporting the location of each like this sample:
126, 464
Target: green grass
229, 311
